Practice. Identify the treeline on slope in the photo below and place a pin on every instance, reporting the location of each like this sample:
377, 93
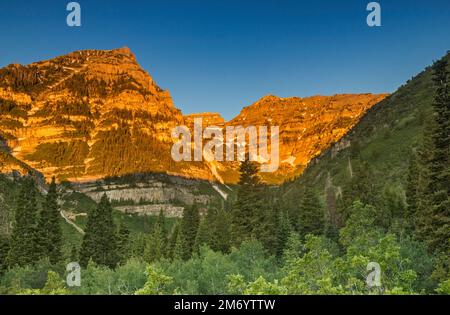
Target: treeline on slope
11, 108
118, 150
11, 116
38, 78
61, 153
18, 77
137, 117
67, 107
6, 159
127, 149
32, 79
83, 86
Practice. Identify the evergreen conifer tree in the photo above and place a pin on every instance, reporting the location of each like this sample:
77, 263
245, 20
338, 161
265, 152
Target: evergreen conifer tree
172, 241
362, 187
422, 217
123, 240
219, 231
436, 228
25, 249
155, 247
214, 231
311, 214
440, 166
100, 241
203, 235
248, 203
265, 225
49, 228
188, 233
283, 231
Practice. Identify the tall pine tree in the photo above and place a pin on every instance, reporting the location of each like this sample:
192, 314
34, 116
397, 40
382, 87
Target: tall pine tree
420, 186
100, 241
264, 223
437, 234
203, 234
284, 229
248, 203
172, 242
311, 218
362, 187
155, 247
123, 243
49, 228
214, 231
219, 231
188, 231
440, 166
25, 249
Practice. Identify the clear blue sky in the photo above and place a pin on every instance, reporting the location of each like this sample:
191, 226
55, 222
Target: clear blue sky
221, 55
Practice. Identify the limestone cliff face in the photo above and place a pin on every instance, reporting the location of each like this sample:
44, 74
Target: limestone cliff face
88, 115
307, 125
148, 194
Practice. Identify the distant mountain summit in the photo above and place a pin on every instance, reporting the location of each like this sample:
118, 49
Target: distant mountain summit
94, 113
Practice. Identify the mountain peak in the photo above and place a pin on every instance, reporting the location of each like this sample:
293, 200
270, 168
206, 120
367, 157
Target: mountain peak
87, 73
118, 56
124, 51
269, 97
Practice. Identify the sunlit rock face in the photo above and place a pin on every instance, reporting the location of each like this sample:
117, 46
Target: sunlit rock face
307, 126
208, 119
89, 114
94, 114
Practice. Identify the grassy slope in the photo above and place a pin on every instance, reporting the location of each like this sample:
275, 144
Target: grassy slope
385, 137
